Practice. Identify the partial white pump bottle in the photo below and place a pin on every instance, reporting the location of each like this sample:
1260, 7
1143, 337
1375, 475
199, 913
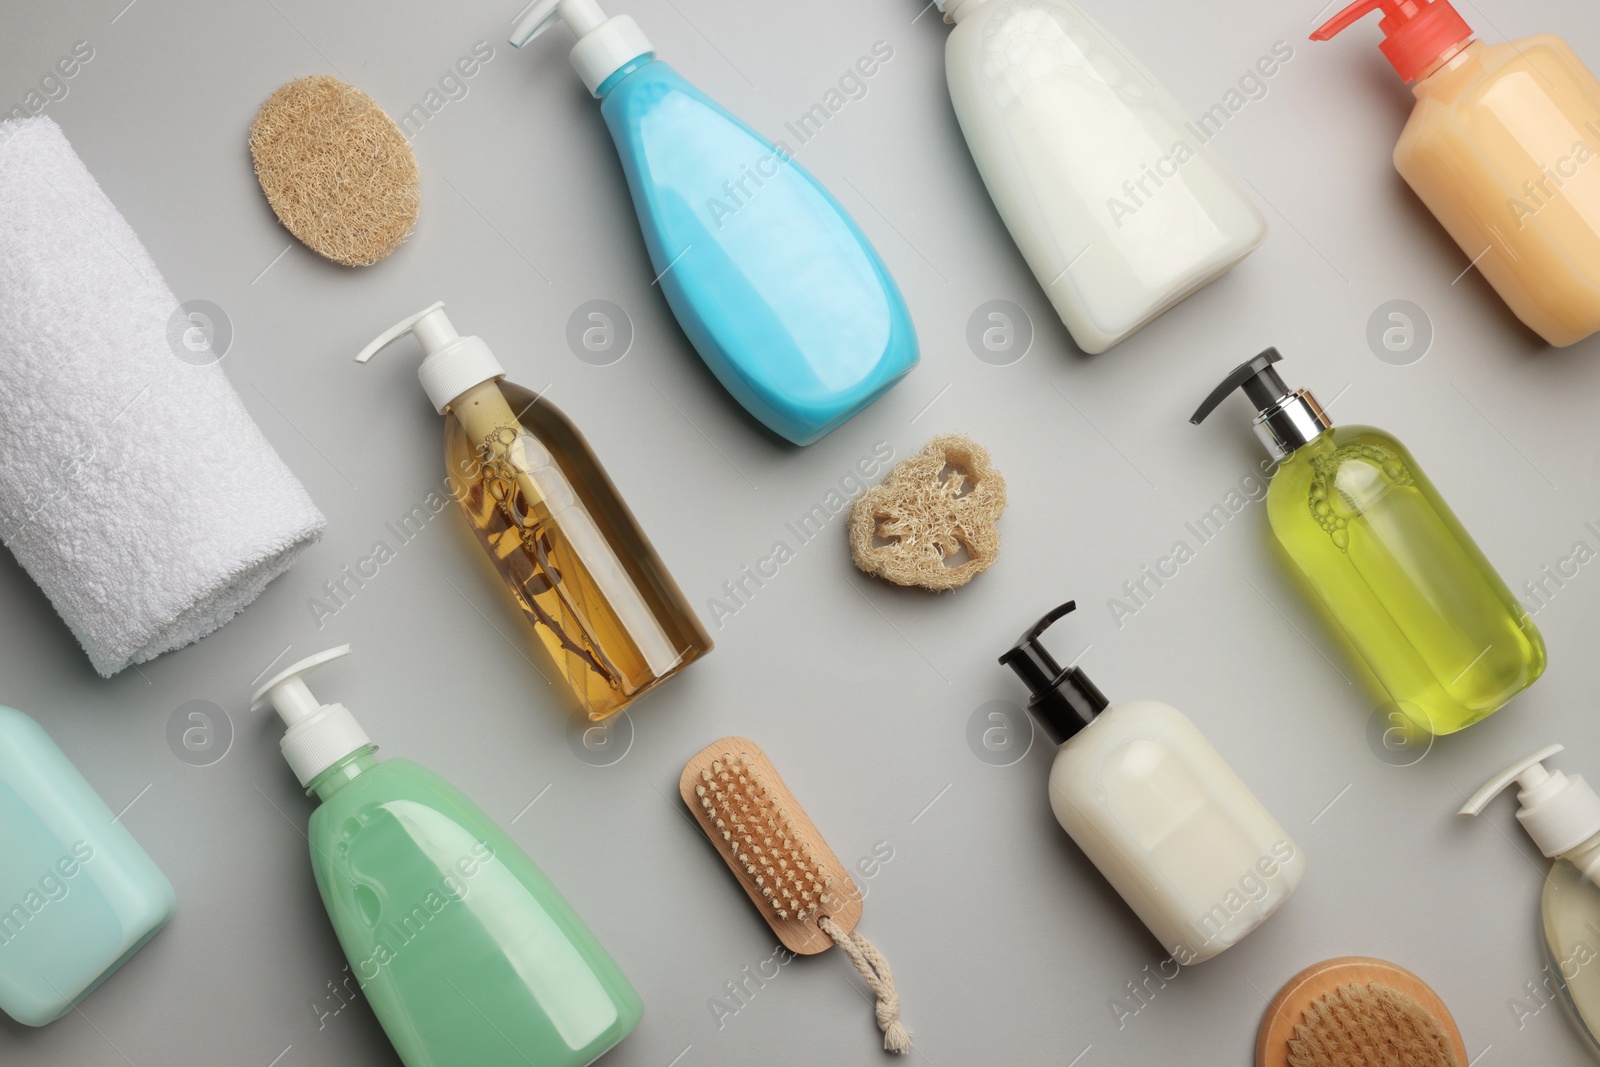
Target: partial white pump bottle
1117, 202
1562, 815
1157, 809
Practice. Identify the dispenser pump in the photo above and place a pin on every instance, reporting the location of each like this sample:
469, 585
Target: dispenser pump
1418, 35
319, 735
1287, 418
1064, 699
605, 45
452, 363
1559, 813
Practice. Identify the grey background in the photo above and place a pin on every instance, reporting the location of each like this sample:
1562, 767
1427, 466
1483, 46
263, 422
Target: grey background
1007, 945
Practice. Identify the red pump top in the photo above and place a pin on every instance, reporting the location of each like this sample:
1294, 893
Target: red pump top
1417, 33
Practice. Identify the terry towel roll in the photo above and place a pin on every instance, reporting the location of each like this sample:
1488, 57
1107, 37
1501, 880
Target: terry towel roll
134, 486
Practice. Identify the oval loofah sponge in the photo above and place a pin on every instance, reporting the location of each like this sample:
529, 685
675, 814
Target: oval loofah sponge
336, 170
932, 507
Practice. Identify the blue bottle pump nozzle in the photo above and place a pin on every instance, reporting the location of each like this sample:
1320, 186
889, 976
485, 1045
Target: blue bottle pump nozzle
584, 16
605, 45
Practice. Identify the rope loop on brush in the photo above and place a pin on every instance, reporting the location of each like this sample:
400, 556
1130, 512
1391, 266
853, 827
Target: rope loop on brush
875, 971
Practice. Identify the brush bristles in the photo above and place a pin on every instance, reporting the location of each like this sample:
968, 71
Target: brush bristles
758, 832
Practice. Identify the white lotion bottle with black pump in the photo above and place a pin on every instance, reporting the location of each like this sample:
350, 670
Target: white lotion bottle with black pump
1562, 814
1157, 809
1119, 204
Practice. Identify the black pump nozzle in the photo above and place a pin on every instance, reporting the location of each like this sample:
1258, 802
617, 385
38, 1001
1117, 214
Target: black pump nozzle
1287, 418
1065, 700
1257, 377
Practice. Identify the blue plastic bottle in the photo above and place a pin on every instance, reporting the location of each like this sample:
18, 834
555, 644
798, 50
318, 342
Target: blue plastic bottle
775, 285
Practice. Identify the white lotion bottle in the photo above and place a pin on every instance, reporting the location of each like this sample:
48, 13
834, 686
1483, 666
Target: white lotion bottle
1562, 815
1157, 809
1115, 198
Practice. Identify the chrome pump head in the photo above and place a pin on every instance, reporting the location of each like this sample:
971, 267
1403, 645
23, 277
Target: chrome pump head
1285, 420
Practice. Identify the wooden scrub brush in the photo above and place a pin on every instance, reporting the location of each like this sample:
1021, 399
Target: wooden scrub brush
796, 882
1358, 1012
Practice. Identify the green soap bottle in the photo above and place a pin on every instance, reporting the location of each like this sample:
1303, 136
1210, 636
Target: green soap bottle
1388, 559
467, 953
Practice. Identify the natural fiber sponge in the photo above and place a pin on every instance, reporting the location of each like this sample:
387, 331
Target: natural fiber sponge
337, 170
932, 507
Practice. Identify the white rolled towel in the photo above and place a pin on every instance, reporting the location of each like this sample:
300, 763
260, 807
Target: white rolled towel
134, 486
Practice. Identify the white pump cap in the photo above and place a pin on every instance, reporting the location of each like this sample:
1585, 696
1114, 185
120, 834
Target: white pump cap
453, 364
1559, 813
605, 45
320, 735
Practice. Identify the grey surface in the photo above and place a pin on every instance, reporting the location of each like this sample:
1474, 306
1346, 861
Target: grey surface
1008, 946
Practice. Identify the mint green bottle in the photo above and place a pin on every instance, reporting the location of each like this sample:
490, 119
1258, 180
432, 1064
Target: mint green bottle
467, 953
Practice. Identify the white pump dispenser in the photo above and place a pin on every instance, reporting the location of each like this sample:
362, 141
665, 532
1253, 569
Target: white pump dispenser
453, 363
320, 735
1562, 815
605, 45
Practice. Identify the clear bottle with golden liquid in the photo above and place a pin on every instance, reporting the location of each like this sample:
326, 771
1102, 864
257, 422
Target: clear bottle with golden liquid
587, 580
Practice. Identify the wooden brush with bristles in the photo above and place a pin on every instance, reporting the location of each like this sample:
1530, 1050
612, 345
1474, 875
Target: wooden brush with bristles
1358, 1012
795, 881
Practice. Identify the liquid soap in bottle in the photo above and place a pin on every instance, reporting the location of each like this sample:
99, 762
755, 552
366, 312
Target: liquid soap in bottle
1501, 146
1388, 559
1562, 815
771, 279
465, 950
1117, 201
1157, 809
587, 580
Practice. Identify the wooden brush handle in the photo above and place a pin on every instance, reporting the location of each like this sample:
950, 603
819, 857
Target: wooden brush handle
804, 938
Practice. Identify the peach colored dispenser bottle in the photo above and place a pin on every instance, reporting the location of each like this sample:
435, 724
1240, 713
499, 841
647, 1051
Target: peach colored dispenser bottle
1504, 148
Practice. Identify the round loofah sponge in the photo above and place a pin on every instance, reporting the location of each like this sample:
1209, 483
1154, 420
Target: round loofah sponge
933, 507
336, 170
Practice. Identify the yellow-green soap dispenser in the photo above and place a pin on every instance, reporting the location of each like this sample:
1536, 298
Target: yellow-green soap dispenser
1387, 557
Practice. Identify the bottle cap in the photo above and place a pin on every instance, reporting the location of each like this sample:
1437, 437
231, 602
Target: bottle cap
948, 8
452, 365
1285, 420
1559, 813
605, 45
1417, 34
1064, 699
320, 735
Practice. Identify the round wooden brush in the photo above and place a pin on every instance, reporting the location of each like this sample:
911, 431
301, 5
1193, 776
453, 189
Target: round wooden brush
1358, 1012
785, 866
